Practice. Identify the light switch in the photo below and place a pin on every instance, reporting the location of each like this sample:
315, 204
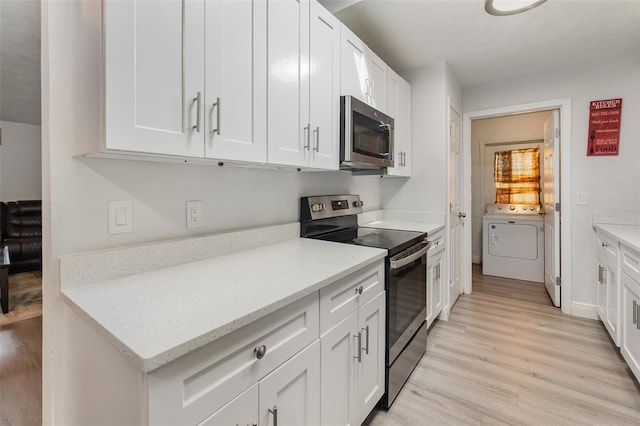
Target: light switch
581, 198
120, 216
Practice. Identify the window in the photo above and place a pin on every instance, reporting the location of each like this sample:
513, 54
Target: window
517, 176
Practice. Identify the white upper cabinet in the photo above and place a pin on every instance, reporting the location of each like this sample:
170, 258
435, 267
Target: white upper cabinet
363, 73
154, 77
303, 85
235, 106
399, 107
324, 85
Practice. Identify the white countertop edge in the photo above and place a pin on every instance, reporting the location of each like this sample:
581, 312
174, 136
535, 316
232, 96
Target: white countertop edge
628, 235
429, 228
150, 363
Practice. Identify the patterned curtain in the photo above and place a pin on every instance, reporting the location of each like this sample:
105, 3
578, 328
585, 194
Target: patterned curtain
517, 176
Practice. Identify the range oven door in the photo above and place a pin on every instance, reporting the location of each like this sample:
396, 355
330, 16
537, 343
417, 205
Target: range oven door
407, 295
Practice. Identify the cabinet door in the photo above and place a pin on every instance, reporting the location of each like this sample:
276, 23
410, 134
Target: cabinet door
324, 85
338, 394
154, 71
431, 282
630, 336
291, 392
370, 370
236, 80
353, 66
242, 410
404, 126
289, 133
376, 80
612, 303
435, 301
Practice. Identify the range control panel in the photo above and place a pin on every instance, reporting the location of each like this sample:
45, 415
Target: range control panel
522, 209
322, 207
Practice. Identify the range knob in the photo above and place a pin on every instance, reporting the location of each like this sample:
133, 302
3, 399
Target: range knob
318, 207
358, 204
524, 207
512, 208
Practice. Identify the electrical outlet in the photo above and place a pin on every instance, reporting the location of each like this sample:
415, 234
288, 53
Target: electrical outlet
194, 214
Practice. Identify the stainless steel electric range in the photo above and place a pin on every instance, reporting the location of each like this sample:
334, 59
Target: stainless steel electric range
334, 218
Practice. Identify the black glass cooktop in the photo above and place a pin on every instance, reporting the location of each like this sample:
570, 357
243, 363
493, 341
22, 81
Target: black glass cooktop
390, 239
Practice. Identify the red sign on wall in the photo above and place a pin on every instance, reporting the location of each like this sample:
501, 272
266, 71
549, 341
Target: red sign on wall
604, 127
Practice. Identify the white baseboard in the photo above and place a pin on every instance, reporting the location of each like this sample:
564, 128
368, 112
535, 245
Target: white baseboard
475, 258
584, 310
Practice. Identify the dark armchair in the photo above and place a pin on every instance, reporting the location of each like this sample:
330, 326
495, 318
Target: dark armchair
22, 233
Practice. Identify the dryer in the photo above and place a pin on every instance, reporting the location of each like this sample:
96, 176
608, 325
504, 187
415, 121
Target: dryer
513, 242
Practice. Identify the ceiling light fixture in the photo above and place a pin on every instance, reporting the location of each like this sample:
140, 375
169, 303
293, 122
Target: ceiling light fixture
510, 7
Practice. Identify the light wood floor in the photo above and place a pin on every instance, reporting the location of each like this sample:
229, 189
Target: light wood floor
501, 359
21, 373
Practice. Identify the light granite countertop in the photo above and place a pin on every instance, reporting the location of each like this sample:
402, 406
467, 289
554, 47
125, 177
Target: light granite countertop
626, 234
157, 316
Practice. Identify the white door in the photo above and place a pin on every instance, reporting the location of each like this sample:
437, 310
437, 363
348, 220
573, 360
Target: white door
324, 86
289, 133
291, 394
236, 80
551, 205
456, 216
370, 368
352, 66
338, 391
154, 72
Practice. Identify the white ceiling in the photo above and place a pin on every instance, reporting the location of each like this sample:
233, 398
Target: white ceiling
20, 61
481, 48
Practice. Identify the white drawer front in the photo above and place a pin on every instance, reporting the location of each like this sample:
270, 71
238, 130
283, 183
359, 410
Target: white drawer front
607, 246
340, 299
437, 243
190, 389
631, 262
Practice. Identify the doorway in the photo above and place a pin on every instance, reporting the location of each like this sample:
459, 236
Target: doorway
563, 107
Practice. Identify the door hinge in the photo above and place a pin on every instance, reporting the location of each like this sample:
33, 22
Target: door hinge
558, 281
557, 207
557, 133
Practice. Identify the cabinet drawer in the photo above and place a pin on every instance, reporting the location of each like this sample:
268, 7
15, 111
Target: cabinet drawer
631, 262
190, 389
340, 299
608, 246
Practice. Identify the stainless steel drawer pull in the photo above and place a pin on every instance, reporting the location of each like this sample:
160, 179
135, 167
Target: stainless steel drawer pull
306, 136
600, 268
274, 412
635, 312
197, 100
260, 351
316, 148
359, 351
638, 316
359, 290
366, 348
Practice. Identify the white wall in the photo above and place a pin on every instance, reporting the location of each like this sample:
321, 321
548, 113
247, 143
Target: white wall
610, 182
20, 162
76, 190
512, 128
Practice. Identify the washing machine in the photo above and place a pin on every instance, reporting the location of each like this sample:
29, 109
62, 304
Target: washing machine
513, 242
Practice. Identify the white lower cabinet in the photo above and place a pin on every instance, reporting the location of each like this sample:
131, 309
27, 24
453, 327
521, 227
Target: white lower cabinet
435, 265
630, 322
607, 295
352, 365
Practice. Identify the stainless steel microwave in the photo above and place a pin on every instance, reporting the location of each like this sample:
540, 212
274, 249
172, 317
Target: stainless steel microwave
366, 136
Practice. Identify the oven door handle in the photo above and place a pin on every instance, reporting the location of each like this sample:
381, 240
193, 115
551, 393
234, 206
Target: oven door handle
396, 264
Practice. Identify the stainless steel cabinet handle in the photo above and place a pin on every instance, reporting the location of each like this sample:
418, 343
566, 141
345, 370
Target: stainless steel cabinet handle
600, 274
604, 245
316, 132
260, 351
359, 356
368, 92
438, 272
637, 316
217, 105
274, 411
635, 312
359, 290
306, 135
366, 348
462, 215
197, 100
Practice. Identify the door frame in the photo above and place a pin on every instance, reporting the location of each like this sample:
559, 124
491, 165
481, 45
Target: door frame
564, 105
